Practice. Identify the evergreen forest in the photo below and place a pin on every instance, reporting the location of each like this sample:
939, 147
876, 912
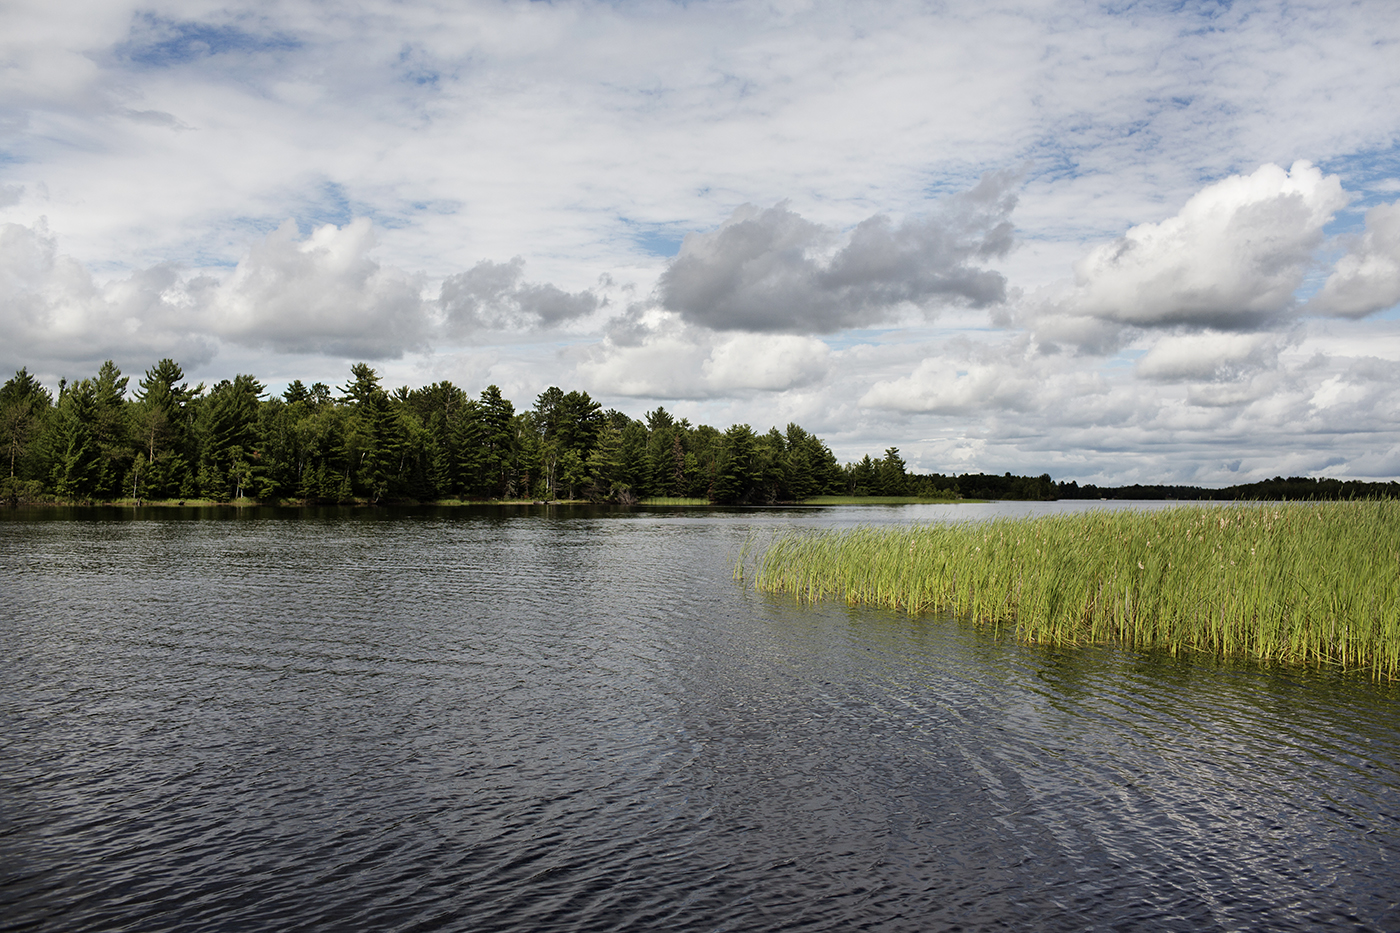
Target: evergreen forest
102, 440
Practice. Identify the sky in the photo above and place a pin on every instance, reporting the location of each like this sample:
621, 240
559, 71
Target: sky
1113, 242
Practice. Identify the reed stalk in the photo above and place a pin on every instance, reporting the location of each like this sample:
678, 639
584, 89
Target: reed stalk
1315, 583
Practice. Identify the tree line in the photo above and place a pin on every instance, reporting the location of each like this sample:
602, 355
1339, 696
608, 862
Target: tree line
1043, 488
101, 441
1293, 488
167, 439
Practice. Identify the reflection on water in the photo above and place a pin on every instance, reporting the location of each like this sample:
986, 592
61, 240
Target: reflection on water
536, 719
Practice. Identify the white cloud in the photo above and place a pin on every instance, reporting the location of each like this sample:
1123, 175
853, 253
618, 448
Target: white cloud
778, 362
1264, 403
163, 141
1208, 357
323, 294
663, 357
52, 309
1367, 278
971, 378
1230, 259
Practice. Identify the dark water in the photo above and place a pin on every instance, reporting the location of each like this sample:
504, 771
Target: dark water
513, 720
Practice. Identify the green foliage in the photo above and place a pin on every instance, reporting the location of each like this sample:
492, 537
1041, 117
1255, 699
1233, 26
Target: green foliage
665, 455
76, 472
983, 486
24, 407
561, 436
109, 431
635, 476
889, 475
228, 423
738, 468
496, 476
605, 463
1277, 489
162, 425
24, 387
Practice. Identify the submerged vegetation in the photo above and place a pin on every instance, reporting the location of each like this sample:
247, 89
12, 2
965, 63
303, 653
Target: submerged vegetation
1309, 584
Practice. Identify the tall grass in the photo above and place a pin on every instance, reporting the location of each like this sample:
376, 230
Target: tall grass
1303, 583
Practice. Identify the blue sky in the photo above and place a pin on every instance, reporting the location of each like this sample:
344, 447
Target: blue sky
1140, 242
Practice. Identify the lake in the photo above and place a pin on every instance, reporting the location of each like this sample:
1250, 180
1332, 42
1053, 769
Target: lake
572, 718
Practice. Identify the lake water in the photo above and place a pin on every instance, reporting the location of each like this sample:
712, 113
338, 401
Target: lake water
573, 719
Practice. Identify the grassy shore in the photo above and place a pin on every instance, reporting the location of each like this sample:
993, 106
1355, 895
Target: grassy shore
1299, 583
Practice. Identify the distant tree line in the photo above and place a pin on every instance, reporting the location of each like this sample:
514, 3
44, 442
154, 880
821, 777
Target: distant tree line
1043, 488
98, 441
363, 442
888, 477
1294, 488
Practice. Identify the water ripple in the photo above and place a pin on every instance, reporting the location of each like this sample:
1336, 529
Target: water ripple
576, 721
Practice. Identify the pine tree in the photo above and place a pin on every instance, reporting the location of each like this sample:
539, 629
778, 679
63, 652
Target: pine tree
24, 407
77, 468
737, 471
110, 429
231, 429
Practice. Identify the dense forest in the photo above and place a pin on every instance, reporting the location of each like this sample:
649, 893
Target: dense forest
100, 442
363, 442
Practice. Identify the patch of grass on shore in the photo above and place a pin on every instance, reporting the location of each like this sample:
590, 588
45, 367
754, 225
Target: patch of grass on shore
673, 500
1297, 583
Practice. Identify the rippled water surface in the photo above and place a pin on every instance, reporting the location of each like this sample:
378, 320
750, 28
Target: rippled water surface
535, 719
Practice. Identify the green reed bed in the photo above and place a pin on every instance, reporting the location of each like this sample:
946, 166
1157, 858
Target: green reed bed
1303, 583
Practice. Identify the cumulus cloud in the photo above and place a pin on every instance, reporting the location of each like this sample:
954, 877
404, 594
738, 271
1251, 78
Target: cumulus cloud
963, 378
661, 356
1367, 278
774, 363
493, 296
1363, 390
1231, 259
52, 310
1208, 357
774, 271
1264, 404
324, 294
1055, 331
